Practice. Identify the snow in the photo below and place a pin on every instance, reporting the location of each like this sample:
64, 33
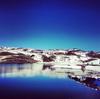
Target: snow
72, 60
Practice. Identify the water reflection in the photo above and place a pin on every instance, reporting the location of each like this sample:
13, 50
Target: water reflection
28, 70
46, 69
84, 75
19, 70
47, 66
90, 82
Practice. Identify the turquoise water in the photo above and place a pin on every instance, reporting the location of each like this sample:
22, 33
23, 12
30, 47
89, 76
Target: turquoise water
41, 86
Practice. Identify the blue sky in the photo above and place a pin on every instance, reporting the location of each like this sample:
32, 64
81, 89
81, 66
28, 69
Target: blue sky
48, 24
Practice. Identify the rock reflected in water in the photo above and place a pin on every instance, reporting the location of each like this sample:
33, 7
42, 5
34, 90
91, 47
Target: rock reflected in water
48, 66
87, 81
29, 70
88, 76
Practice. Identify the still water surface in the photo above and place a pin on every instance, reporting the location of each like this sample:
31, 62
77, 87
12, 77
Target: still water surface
32, 82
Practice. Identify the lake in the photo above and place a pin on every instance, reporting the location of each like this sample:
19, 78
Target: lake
38, 81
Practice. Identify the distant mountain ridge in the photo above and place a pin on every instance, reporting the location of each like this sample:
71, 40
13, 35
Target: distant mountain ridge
69, 56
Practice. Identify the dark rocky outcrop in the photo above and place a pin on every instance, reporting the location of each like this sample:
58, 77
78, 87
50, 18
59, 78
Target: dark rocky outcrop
59, 53
48, 59
93, 54
18, 59
6, 53
70, 53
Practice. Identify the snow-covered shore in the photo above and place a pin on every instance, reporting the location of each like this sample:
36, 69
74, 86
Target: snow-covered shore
70, 57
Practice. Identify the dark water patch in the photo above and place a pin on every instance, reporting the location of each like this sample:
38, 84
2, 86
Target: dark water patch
44, 88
